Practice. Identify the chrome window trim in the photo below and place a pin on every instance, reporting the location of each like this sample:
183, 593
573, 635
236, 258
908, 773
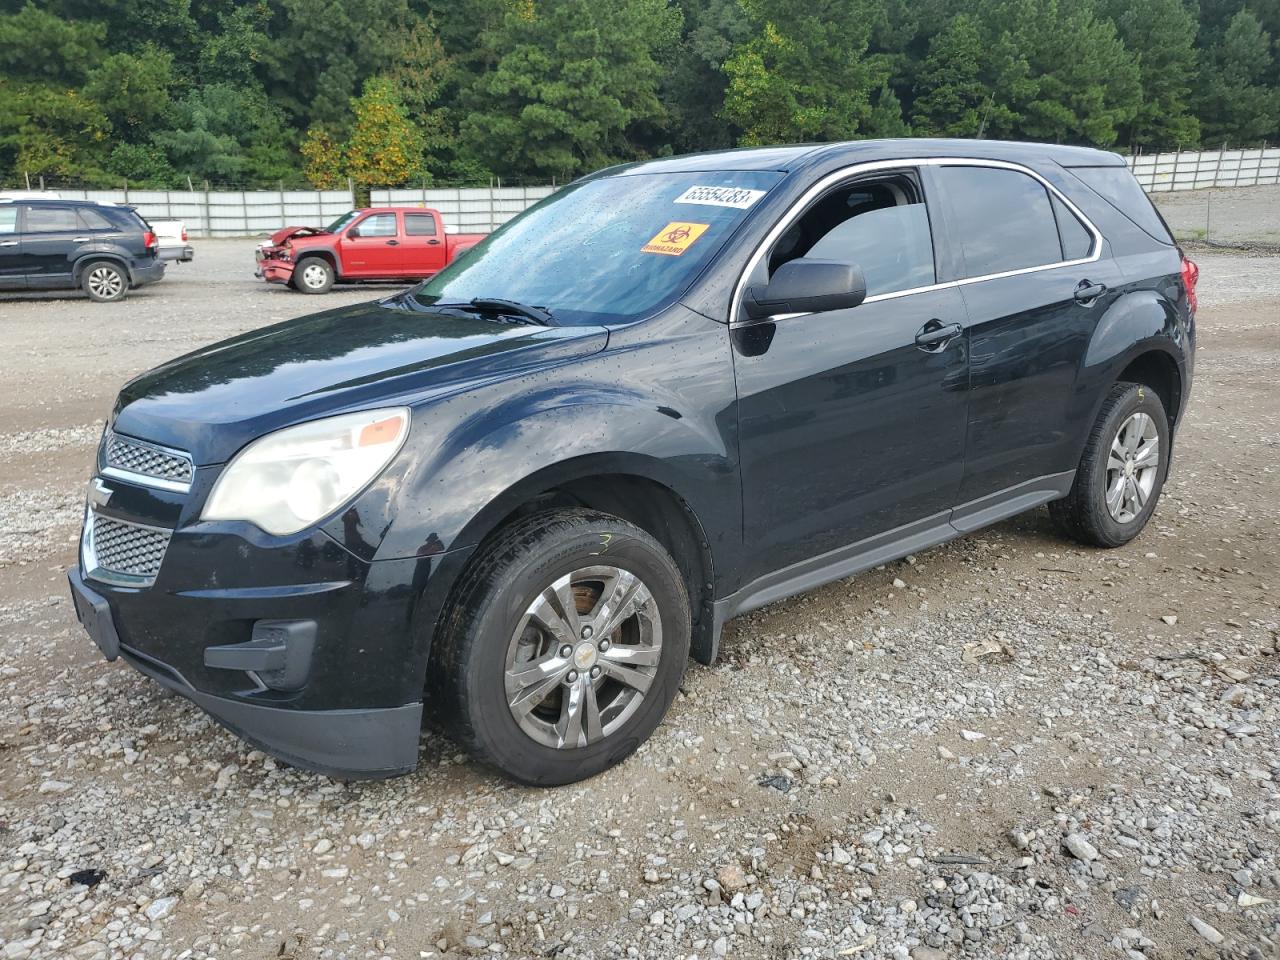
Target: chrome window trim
844, 173
143, 479
89, 566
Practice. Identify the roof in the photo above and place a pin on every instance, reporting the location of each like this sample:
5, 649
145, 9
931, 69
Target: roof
798, 156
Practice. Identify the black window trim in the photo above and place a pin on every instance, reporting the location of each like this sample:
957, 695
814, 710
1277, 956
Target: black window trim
857, 170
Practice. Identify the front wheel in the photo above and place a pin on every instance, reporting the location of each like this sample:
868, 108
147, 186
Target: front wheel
313, 275
1122, 471
564, 646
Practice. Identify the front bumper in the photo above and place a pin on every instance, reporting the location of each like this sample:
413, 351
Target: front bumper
352, 744
346, 701
274, 271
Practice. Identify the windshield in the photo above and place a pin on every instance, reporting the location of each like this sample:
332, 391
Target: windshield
607, 250
342, 221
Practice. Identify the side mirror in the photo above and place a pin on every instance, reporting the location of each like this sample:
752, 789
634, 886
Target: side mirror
807, 286
353, 232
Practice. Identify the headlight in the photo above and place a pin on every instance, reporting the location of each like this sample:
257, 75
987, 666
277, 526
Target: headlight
289, 479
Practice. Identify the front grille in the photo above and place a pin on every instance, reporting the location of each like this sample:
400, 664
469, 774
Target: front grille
127, 548
146, 460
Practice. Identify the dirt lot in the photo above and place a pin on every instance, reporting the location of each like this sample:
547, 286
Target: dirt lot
1233, 215
855, 778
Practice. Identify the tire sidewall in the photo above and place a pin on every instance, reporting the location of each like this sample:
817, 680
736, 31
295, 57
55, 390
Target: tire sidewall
498, 733
98, 265
1138, 399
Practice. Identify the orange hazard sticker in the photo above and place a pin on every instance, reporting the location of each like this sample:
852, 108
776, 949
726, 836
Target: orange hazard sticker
675, 238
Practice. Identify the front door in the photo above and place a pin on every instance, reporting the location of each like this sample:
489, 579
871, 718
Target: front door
371, 247
11, 269
849, 427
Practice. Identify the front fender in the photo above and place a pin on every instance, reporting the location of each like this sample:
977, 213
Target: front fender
494, 461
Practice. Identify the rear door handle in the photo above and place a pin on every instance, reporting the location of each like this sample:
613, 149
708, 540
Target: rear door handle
8, 243
81, 239
393, 243
935, 335
1087, 292
434, 243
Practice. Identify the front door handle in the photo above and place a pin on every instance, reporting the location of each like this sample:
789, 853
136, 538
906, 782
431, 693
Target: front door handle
935, 335
434, 243
393, 243
81, 239
8, 243
1087, 292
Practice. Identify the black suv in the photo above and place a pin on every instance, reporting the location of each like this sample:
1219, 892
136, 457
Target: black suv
523, 492
61, 244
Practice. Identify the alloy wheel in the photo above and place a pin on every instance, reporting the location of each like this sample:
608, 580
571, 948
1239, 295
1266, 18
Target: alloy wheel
105, 282
583, 656
1133, 463
314, 276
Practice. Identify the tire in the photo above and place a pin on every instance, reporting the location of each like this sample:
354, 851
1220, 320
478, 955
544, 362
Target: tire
104, 281
482, 664
313, 275
1085, 513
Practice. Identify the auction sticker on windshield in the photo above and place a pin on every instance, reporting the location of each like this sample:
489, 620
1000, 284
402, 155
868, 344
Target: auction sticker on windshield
739, 197
675, 238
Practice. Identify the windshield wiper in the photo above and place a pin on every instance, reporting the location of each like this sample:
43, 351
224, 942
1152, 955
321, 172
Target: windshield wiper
538, 315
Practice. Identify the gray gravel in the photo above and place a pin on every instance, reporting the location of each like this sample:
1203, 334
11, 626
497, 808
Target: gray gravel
1007, 747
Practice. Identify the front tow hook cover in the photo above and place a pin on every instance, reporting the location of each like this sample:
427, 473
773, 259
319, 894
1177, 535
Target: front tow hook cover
279, 653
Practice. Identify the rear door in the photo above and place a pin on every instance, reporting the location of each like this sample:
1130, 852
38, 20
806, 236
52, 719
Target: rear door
370, 247
1035, 277
11, 269
50, 236
423, 249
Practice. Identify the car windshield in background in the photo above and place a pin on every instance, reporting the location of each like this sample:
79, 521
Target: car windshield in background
342, 221
608, 250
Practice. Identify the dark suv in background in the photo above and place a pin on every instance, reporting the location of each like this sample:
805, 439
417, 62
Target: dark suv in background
523, 492
61, 244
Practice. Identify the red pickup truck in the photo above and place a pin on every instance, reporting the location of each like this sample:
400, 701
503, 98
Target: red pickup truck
376, 243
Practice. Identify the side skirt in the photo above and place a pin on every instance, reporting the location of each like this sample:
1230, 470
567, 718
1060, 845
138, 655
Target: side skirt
886, 547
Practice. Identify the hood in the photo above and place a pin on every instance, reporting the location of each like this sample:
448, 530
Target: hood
288, 233
212, 402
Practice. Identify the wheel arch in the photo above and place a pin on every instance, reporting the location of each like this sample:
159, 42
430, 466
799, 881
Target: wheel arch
85, 261
1158, 370
324, 253
629, 486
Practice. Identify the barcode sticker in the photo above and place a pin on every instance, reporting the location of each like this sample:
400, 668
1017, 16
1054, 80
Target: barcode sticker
739, 197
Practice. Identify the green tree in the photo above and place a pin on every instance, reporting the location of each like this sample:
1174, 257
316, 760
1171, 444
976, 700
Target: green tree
1235, 103
1161, 34
573, 81
38, 46
693, 80
49, 131
805, 74
225, 133
950, 91
132, 90
385, 148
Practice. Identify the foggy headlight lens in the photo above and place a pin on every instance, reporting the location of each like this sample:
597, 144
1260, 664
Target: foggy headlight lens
287, 480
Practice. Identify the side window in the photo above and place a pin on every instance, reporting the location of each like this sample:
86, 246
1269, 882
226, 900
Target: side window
8, 219
419, 225
882, 226
378, 225
1077, 241
93, 220
1002, 218
50, 219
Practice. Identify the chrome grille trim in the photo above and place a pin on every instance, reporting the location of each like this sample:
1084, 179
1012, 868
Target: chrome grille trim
147, 464
122, 553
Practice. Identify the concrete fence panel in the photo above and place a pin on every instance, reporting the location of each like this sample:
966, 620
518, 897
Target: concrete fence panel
1197, 170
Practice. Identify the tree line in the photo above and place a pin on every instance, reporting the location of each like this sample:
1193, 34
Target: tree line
387, 92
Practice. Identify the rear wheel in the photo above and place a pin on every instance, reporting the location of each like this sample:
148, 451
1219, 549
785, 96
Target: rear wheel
564, 646
1122, 472
105, 281
313, 275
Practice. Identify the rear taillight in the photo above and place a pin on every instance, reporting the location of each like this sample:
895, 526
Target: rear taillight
1190, 274
148, 239
184, 234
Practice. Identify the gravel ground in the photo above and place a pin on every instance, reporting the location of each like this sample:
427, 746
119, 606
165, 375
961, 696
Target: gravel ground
1234, 215
1006, 747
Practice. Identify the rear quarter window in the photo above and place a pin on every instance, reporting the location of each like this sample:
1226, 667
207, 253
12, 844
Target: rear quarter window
1117, 186
93, 220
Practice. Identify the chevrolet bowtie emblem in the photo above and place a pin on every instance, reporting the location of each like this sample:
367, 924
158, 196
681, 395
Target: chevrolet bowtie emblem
99, 492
